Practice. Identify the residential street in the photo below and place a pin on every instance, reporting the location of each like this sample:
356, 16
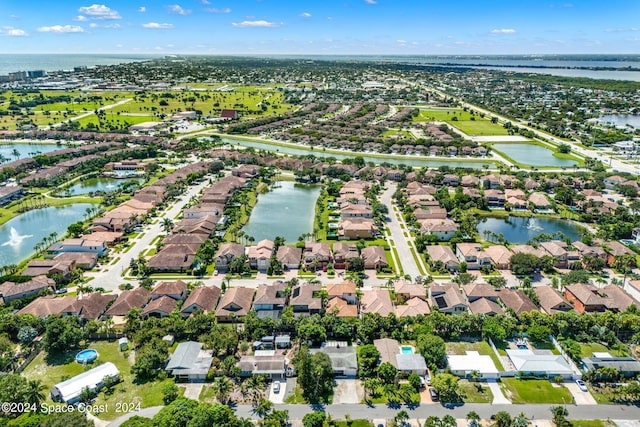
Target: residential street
110, 279
401, 242
534, 412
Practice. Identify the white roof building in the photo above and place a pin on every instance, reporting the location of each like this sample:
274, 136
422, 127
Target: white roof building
464, 364
69, 391
540, 362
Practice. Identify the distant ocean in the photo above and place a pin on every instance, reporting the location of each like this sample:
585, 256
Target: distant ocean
10, 63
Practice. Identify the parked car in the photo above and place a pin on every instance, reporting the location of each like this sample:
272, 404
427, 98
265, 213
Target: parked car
582, 385
427, 378
276, 387
434, 395
61, 291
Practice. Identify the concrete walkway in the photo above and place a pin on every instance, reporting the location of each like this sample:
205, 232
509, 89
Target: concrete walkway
192, 390
498, 397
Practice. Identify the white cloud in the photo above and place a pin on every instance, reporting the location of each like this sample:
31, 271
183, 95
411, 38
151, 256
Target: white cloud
157, 25
99, 11
255, 24
621, 30
503, 31
205, 2
217, 10
370, 1
561, 6
305, 15
111, 26
142, 9
80, 18
12, 32
176, 8
61, 29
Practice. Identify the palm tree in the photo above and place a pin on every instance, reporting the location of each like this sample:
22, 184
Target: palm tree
34, 392
263, 407
167, 225
222, 387
15, 153
473, 419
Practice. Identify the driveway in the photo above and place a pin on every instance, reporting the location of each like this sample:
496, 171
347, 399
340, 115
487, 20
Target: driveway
498, 397
192, 390
348, 391
580, 397
278, 397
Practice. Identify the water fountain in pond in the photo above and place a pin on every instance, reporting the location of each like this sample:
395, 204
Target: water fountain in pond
532, 225
15, 238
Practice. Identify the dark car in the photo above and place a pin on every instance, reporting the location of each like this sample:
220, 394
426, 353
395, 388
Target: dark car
433, 394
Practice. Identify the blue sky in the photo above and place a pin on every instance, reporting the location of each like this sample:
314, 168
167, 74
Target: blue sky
320, 26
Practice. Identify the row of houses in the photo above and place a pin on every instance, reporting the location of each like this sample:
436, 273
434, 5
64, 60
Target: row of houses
314, 255
356, 215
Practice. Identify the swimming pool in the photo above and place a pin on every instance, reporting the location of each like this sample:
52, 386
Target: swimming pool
405, 349
86, 356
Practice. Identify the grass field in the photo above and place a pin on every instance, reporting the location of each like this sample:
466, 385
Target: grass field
473, 125
147, 394
535, 391
475, 392
588, 349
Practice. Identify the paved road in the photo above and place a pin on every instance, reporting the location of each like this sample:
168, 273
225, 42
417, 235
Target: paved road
534, 412
397, 234
83, 115
110, 279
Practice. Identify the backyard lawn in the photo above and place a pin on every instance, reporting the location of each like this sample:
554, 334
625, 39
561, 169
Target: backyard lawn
147, 394
535, 391
587, 349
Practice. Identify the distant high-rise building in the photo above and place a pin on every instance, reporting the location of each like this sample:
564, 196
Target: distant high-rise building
36, 73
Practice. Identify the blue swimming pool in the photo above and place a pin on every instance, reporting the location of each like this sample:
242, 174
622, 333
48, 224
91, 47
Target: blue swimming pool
86, 356
405, 349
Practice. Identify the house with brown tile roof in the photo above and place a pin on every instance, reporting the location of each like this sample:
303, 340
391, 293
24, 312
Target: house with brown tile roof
447, 298
47, 305
306, 300
270, 300
500, 256
205, 225
374, 257
10, 291
413, 307
376, 301
317, 252
356, 228
473, 255
443, 229
485, 306
430, 212
445, 255
551, 301
475, 291
539, 202
160, 307
341, 308
260, 255
558, 250
528, 249
407, 290
615, 249
495, 198
516, 300
355, 210
88, 306
225, 255
184, 239
176, 290
204, 298
174, 258
135, 298
289, 257
41, 267
342, 252
235, 303
84, 260
590, 299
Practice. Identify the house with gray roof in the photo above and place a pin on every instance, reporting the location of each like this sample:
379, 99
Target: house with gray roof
540, 363
190, 362
627, 366
343, 358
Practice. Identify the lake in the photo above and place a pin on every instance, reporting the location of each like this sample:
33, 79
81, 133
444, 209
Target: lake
621, 119
520, 230
287, 210
106, 185
19, 235
26, 150
418, 161
533, 155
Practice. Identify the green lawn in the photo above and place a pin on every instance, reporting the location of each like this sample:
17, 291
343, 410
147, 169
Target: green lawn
587, 349
462, 120
352, 423
482, 347
535, 391
590, 423
148, 394
475, 392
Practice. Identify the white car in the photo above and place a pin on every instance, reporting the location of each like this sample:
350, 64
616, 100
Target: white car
581, 385
276, 387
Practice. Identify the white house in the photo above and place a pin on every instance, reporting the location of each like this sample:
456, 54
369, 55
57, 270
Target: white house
463, 365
